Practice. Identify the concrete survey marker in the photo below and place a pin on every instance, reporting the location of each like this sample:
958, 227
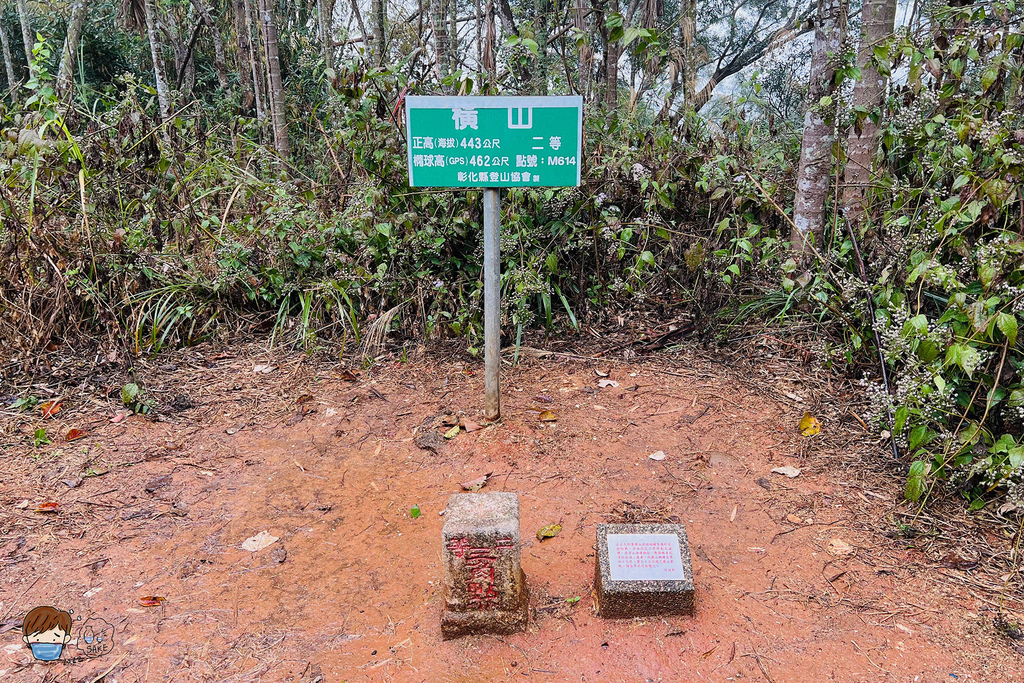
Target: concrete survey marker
643, 570
484, 584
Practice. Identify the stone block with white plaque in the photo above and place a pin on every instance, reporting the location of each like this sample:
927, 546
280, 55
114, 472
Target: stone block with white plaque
643, 570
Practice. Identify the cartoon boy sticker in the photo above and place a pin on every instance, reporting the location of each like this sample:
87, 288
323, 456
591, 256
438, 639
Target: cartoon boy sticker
47, 630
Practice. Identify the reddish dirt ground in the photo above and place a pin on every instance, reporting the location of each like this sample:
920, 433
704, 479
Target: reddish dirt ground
351, 591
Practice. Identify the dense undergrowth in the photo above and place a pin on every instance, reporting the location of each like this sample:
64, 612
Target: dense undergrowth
165, 233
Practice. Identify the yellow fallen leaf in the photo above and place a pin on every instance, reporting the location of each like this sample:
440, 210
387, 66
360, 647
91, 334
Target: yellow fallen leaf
809, 425
549, 531
548, 416
452, 433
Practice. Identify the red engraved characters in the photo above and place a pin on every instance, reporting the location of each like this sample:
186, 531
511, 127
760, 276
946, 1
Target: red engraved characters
480, 561
458, 546
482, 594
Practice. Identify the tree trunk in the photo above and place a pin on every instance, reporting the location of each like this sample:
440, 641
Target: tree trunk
243, 61
687, 30
586, 49
439, 25
12, 81
184, 66
359, 21
27, 36
541, 8
66, 70
815, 169
156, 50
878, 17
277, 109
325, 12
219, 62
489, 62
255, 61
379, 20
613, 49
507, 18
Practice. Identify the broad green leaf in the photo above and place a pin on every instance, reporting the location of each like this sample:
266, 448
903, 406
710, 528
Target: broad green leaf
966, 357
1016, 398
916, 480
919, 270
129, 392
1007, 324
901, 419
918, 436
1015, 456
927, 351
988, 77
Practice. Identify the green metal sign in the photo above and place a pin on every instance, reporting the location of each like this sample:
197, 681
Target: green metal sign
494, 141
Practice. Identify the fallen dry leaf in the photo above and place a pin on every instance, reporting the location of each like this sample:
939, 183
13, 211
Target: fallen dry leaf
547, 416
607, 383
430, 441
303, 399
263, 369
470, 426
452, 433
657, 455
839, 547
549, 531
601, 373
118, 417
788, 470
954, 561
258, 542
74, 434
234, 430
543, 398
152, 601
476, 484
809, 425
348, 375
50, 408
793, 519
22, 505
48, 507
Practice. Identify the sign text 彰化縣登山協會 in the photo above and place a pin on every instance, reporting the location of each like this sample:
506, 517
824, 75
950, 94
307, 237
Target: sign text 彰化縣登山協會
494, 141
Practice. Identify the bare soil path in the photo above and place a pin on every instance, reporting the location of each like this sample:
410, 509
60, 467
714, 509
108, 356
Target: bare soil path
802, 579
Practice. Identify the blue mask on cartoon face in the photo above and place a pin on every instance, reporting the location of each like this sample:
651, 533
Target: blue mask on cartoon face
46, 651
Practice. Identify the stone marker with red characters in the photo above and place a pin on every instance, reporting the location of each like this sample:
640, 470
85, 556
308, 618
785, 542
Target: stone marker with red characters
484, 585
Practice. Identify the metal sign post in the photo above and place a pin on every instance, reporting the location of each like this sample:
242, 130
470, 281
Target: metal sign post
492, 302
490, 143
